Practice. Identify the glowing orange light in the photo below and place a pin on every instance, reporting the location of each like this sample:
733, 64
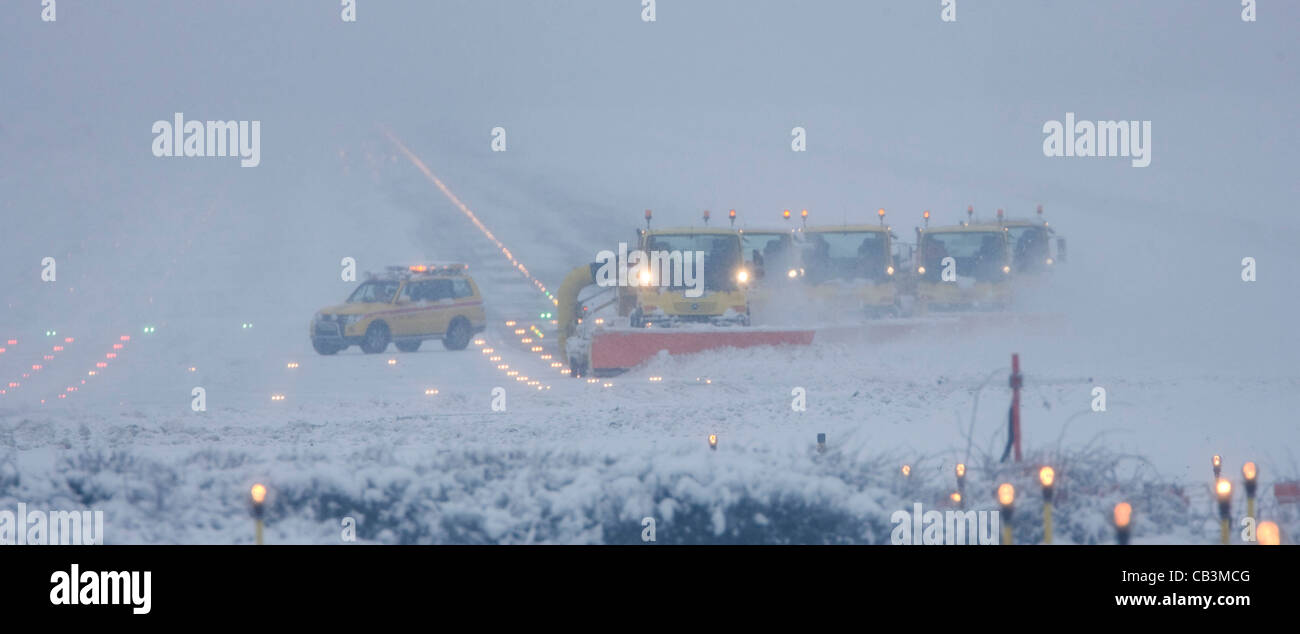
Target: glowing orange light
1123, 513
713, 440
1217, 461
1046, 475
786, 214
1223, 489
961, 469
732, 214
1006, 494
907, 470
880, 212
955, 497
1248, 471
259, 493
1268, 534
926, 215
803, 213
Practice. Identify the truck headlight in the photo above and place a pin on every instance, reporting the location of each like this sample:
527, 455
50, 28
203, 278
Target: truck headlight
793, 273
921, 270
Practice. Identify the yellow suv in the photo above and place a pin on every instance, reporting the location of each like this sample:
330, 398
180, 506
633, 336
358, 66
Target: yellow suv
405, 306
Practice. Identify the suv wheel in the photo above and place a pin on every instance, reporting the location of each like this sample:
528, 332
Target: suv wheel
376, 339
408, 346
458, 334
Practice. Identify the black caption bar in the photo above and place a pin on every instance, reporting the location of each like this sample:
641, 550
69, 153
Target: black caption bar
322, 582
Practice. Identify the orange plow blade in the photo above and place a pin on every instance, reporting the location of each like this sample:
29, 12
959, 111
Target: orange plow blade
621, 349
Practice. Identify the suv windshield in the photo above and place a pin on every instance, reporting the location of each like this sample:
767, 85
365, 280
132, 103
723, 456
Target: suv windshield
845, 255
979, 254
374, 292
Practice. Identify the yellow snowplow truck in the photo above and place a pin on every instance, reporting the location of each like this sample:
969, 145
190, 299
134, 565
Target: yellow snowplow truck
850, 268
963, 267
689, 275
772, 258
1031, 246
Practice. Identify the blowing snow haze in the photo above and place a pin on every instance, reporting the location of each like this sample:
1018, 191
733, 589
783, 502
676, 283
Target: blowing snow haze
607, 116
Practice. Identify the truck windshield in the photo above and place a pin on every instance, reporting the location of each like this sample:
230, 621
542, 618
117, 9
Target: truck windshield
769, 252
1029, 247
374, 292
722, 258
979, 254
847, 255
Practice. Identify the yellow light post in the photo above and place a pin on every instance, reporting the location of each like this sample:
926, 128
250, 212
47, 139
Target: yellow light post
1006, 497
1250, 473
713, 442
961, 478
1123, 518
1223, 489
259, 496
1047, 476
907, 470
1267, 534
1217, 461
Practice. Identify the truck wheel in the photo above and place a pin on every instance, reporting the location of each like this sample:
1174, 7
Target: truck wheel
458, 334
408, 346
376, 339
324, 347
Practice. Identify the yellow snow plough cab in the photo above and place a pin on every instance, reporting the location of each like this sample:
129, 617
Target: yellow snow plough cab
963, 267
850, 269
689, 275
772, 257
1031, 245
680, 291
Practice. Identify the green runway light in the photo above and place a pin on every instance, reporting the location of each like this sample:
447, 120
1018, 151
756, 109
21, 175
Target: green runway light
147, 329
246, 325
